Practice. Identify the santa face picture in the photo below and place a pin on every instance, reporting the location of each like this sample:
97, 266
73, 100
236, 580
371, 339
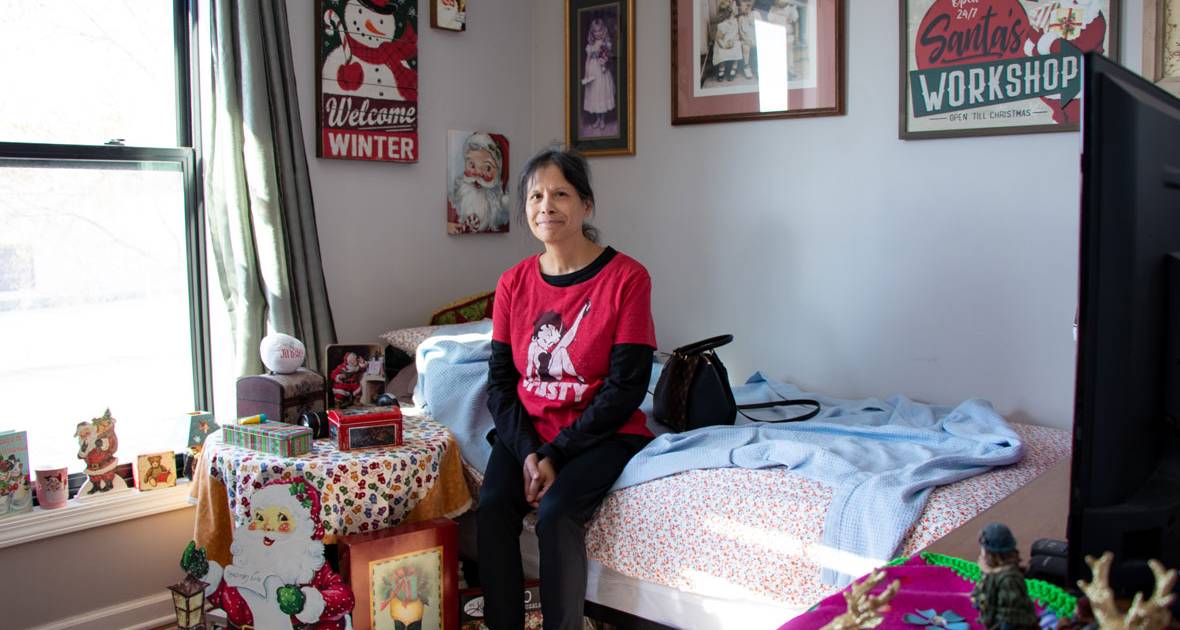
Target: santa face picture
450, 15
1005, 66
477, 175
367, 80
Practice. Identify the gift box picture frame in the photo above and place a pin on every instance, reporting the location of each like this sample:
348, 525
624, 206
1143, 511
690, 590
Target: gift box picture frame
408, 573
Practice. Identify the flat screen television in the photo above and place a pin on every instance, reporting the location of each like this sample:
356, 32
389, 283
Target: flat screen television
1125, 475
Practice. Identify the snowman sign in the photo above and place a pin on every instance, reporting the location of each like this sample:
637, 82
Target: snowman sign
367, 80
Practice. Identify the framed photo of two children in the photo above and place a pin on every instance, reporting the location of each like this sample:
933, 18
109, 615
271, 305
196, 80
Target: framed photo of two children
600, 76
989, 67
756, 59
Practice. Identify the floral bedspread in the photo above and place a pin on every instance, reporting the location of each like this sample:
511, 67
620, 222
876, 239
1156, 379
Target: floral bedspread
755, 534
360, 491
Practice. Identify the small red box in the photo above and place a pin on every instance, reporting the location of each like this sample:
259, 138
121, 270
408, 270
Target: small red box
365, 427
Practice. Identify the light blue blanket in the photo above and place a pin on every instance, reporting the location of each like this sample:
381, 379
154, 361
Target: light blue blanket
453, 386
882, 458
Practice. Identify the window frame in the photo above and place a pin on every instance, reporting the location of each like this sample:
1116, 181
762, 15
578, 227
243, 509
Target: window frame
41, 524
186, 155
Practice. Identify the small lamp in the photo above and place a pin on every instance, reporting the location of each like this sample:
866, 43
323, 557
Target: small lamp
188, 598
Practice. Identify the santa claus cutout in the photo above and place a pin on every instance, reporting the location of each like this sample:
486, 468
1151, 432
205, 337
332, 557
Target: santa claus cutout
278, 578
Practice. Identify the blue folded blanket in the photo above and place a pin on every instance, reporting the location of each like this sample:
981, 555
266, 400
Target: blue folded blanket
882, 458
453, 386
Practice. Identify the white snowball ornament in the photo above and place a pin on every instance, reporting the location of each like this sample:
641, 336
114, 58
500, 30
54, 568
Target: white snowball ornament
282, 354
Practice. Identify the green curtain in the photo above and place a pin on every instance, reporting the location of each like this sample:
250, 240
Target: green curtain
257, 190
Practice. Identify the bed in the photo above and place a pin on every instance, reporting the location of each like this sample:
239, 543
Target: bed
734, 547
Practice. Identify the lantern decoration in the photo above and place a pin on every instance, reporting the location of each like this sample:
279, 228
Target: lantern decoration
188, 599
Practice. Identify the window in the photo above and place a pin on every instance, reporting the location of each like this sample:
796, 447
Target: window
102, 266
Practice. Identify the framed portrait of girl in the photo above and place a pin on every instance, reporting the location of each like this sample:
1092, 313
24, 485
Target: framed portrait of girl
600, 76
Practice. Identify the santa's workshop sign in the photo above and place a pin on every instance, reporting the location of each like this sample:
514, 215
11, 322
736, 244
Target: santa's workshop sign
987, 67
367, 80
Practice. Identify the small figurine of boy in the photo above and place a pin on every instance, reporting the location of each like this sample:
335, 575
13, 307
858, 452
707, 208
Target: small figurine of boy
1001, 596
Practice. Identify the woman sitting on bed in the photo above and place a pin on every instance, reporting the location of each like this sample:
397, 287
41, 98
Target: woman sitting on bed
572, 344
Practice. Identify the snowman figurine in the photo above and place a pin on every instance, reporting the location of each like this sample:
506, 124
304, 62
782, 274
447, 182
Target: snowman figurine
369, 63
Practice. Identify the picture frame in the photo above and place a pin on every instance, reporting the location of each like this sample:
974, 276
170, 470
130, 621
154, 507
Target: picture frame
735, 60
154, 471
1029, 84
1161, 43
366, 80
200, 425
409, 573
448, 15
477, 183
600, 76
357, 381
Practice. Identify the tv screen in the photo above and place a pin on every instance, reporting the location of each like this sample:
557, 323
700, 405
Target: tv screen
1125, 477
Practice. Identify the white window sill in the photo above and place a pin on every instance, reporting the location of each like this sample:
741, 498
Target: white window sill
96, 512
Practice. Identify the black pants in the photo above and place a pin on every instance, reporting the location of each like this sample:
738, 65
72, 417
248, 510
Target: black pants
561, 532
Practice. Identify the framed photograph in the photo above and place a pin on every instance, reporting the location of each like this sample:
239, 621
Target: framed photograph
404, 577
600, 76
1161, 43
367, 80
477, 182
756, 59
449, 15
354, 372
992, 67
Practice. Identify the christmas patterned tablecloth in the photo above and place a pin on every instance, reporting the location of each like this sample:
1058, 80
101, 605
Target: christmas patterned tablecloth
360, 491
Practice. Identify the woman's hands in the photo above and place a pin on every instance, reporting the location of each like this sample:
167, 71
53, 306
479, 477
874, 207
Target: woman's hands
539, 474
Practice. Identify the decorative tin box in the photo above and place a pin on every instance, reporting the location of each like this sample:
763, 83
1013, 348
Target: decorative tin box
282, 397
276, 438
365, 427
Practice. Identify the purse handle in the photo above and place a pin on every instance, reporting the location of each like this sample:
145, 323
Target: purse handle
786, 402
697, 347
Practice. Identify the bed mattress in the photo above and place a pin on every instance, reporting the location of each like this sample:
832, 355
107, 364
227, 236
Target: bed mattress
738, 548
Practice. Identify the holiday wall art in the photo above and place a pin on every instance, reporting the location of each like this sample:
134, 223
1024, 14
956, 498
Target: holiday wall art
477, 182
367, 80
988, 67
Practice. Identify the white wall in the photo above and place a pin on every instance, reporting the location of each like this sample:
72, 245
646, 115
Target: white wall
388, 260
842, 258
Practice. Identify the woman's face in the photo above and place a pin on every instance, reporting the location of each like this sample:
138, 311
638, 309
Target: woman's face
554, 209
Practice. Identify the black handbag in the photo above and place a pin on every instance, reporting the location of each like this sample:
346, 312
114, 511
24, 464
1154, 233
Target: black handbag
694, 391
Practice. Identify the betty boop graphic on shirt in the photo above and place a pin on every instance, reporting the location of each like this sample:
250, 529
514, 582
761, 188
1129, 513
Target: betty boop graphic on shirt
549, 358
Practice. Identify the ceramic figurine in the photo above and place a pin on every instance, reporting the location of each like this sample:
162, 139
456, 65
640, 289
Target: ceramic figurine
1001, 596
97, 444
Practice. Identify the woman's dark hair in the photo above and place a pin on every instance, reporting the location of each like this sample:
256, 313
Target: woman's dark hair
573, 167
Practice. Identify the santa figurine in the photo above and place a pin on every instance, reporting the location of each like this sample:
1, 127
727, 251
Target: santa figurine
278, 578
97, 444
369, 62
